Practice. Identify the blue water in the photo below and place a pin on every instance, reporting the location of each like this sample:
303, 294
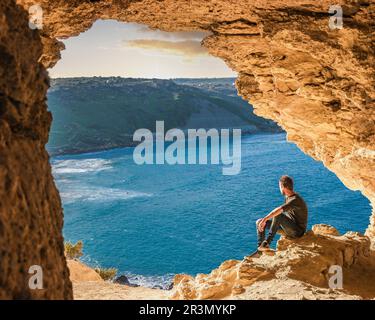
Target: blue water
153, 221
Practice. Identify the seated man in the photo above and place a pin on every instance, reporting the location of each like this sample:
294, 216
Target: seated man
291, 217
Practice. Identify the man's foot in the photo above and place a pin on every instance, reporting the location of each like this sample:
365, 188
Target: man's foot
264, 246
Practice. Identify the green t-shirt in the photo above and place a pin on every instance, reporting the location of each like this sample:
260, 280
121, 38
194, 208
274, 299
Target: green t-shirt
296, 208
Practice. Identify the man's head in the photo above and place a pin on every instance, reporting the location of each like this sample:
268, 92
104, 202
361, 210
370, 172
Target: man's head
286, 185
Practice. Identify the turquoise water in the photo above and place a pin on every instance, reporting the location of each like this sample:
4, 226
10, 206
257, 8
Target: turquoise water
153, 221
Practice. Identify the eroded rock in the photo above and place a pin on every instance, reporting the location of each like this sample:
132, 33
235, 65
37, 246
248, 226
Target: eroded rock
79, 272
325, 229
307, 259
31, 216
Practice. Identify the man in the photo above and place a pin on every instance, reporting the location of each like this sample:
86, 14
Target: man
291, 217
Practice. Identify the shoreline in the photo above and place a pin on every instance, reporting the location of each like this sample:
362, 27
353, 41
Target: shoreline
88, 285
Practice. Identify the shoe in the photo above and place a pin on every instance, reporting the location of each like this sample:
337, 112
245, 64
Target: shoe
264, 246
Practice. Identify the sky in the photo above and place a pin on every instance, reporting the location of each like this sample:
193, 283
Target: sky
112, 48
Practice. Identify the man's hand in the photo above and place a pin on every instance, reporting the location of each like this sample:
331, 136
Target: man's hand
275, 212
262, 224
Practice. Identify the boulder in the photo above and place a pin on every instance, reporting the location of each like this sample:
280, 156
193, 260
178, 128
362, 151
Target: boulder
124, 281
79, 272
325, 229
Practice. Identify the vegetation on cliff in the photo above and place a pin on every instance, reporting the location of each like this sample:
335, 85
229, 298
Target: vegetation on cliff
101, 113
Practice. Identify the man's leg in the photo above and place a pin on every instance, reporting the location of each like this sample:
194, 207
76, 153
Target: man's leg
286, 224
262, 234
275, 226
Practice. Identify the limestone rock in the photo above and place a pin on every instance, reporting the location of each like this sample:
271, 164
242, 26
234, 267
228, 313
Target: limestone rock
31, 217
307, 259
181, 278
325, 229
288, 289
79, 272
238, 289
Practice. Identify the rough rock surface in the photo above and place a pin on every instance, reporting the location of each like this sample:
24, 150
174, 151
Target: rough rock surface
299, 269
93, 290
88, 285
30, 209
79, 272
317, 83
325, 229
287, 289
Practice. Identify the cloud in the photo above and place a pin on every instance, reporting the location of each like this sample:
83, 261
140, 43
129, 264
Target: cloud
186, 48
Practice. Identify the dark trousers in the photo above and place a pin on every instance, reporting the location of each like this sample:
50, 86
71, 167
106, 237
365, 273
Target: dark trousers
281, 222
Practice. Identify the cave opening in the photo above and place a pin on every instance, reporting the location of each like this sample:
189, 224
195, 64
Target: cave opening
151, 222
282, 72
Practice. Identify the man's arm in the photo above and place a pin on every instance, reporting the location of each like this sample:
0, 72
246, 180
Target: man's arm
275, 212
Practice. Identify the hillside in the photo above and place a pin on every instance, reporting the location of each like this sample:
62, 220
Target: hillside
102, 113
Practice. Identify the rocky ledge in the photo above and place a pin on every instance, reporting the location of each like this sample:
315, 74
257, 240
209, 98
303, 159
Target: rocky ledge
298, 269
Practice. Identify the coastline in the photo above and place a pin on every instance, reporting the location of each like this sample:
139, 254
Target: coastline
88, 285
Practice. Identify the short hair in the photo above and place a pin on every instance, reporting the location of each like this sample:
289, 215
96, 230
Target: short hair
286, 182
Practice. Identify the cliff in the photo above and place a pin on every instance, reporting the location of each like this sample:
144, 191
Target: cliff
302, 263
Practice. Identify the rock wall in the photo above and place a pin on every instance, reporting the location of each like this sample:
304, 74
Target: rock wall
30, 209
317, 83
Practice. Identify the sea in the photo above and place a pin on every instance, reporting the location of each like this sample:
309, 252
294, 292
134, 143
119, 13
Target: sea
151, 222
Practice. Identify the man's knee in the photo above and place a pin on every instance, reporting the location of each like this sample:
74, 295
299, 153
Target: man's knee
258, 221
